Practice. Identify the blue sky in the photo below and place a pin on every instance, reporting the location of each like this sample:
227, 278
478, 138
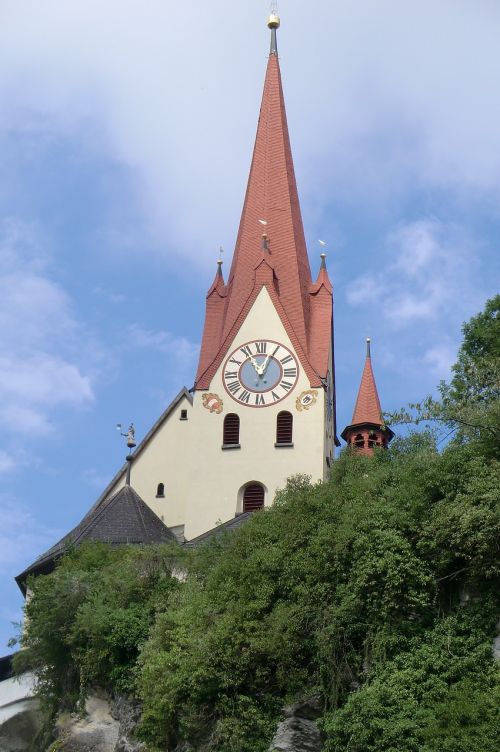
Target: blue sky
126, 132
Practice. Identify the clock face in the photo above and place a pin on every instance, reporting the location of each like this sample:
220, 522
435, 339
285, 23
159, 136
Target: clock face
260, 373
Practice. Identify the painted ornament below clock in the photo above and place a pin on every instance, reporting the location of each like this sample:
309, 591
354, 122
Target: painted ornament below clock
260, 373
212, 402
306, 399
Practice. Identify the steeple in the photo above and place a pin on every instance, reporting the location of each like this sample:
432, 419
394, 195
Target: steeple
271, 204
366, 429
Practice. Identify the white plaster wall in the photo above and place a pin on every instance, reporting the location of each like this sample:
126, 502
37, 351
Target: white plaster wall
15, 694
165, 459
218, 474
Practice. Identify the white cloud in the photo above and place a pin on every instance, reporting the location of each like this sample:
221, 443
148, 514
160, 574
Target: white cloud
38, 334
403, 98
181, 355
425, 269
22, 537
7, 462
162, 341
439, 359
95, 479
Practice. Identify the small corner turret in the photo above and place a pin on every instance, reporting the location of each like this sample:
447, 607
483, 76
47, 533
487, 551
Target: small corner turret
367, 429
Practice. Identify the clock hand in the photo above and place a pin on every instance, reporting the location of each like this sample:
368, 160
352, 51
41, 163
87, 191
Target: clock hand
255, 364
264, 365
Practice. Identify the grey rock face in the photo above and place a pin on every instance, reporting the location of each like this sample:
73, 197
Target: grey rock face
297, 735
299, 732
127, 713
97, 732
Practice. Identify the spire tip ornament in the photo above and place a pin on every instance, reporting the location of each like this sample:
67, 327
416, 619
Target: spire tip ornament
274, 21
368, 343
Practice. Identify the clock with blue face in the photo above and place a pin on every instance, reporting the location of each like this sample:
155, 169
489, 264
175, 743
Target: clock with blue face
260, 373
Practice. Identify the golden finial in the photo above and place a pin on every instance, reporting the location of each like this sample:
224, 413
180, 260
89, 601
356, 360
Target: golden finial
274, 21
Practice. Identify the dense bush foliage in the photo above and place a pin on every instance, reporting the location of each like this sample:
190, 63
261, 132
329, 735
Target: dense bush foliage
377, 590
87, 620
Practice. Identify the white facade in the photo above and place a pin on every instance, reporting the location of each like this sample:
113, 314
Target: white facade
203, 482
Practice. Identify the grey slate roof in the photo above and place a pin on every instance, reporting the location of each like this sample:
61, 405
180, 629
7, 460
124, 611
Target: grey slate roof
119, 519
216, 532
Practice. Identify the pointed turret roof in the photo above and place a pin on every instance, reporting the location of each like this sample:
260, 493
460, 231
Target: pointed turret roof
367, 409
271, 206
118, 519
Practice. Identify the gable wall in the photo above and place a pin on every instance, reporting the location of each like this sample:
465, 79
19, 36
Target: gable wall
219, 474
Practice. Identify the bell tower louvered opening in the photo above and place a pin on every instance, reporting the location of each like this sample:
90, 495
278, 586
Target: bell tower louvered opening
284, 429
231, 431
253, 497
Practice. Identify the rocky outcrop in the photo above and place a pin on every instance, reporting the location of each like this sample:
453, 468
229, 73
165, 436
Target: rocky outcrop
298, 732
127, 713
96, 732
108, 726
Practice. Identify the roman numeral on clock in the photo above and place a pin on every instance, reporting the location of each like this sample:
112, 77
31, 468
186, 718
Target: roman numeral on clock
260, 373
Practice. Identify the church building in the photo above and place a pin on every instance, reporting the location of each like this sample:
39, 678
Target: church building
262, 407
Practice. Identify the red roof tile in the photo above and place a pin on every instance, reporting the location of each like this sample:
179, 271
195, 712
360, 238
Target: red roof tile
271, 196
367, 409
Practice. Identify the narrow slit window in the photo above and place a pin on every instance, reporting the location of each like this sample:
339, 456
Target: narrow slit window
160, 491
231, 432
284, 428
184, 415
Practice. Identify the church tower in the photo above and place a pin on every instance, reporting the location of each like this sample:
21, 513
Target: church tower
366, 429
264, 400
262, 407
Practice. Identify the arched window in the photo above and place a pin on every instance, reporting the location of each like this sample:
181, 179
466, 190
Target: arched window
359, 440
160, 491
372, 440
284, 428
231, 434
253, 497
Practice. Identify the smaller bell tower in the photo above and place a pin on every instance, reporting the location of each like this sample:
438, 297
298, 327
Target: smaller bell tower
367, 429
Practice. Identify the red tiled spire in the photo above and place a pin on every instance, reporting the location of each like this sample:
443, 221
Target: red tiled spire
272, 198
320, 325
365, 430
214, 319
367, 409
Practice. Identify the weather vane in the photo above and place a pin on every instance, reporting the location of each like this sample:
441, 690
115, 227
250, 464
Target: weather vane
221, 251
274, 6
130, 436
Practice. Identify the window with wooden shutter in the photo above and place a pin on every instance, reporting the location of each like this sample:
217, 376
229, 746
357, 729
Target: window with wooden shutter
253, 497
284, 429
231, 434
